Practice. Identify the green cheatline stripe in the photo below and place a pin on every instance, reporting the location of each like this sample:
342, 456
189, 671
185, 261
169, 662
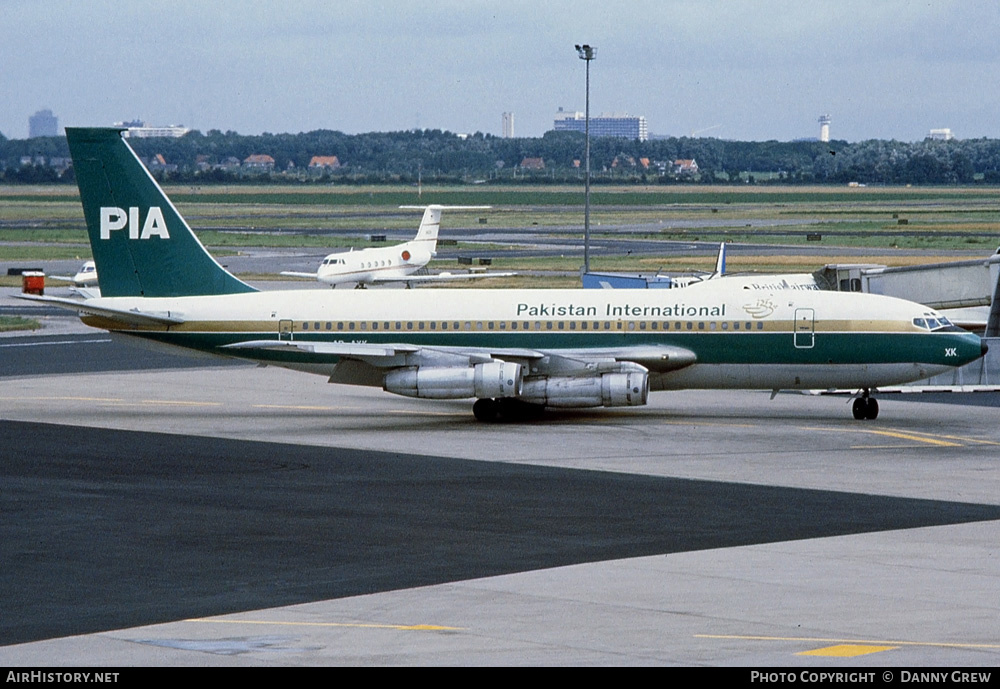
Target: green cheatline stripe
710, 348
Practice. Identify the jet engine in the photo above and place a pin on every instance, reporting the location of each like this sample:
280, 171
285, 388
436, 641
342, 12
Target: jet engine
492, 379
624, 389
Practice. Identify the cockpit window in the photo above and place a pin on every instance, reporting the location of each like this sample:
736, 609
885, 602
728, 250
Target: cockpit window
934, 323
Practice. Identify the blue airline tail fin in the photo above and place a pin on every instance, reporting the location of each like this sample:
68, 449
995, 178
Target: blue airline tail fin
720, 262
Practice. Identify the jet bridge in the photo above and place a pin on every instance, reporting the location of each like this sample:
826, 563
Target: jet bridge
952, 285
984, 373
968, 285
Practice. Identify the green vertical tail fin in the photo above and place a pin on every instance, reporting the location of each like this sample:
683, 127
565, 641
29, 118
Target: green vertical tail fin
141, 244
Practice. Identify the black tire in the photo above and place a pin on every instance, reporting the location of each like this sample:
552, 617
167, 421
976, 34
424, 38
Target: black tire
485, 410
871, 409
513, 409
860, 408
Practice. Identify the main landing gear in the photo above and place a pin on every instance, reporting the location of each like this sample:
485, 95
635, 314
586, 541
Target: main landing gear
866, 406
506, 408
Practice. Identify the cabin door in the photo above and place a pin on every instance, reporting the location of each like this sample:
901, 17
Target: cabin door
285, 330
805, 328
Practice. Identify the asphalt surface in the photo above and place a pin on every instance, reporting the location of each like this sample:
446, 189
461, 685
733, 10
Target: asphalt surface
220, 516
90, 352
170, 527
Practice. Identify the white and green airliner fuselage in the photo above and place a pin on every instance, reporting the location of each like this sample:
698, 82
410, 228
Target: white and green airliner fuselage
512, 349
736, 339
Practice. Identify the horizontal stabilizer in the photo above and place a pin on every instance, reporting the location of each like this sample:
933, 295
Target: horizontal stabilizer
86, 292
125, 316
435, 206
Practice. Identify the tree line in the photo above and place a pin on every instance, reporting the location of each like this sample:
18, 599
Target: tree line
439, 156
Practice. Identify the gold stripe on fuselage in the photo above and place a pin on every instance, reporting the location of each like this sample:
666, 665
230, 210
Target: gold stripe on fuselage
511, 326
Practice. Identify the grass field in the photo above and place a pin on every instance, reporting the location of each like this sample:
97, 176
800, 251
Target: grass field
538, 195
46, 223
8, 323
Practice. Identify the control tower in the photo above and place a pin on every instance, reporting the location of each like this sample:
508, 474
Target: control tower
824, 127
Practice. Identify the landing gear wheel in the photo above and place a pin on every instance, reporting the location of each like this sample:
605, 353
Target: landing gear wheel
513, 409
485, 410
865, 407
871, 408
860, 408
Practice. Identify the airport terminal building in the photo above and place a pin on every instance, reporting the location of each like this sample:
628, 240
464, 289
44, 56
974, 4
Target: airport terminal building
620, 125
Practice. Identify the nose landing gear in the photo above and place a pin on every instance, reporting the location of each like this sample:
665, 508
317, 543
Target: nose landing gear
865, 407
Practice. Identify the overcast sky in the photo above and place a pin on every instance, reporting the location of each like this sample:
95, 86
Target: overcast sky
735, 69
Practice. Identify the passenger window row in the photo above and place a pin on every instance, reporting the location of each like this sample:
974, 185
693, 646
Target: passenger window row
475, 326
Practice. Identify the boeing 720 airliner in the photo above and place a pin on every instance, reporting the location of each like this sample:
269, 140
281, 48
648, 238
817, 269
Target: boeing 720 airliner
514, 351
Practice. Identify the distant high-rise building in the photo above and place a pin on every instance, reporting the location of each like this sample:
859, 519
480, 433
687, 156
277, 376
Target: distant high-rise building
620, 125
43, 123
824, 127
507, 125
941, 134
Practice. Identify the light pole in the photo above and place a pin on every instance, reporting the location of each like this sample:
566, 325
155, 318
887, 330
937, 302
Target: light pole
586, 54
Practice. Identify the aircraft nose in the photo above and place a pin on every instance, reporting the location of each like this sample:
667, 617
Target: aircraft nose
984, 347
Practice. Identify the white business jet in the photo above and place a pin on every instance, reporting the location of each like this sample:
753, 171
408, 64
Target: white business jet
86, 276
397, 263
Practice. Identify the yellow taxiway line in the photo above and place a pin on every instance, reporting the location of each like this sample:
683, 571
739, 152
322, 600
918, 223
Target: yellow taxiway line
357, 625
862, 642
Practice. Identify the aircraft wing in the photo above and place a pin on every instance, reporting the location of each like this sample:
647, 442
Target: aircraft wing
292, 273
361, 363
126, 316
439, 277
659, 358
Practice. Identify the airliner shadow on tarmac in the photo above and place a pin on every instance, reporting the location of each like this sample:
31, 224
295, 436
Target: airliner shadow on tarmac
108, 529
36, 355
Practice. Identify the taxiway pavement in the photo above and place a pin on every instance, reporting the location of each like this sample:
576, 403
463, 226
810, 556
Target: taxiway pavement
245, 516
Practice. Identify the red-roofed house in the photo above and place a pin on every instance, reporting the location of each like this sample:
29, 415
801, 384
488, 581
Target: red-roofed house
259, 161
324, 163
685, 167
